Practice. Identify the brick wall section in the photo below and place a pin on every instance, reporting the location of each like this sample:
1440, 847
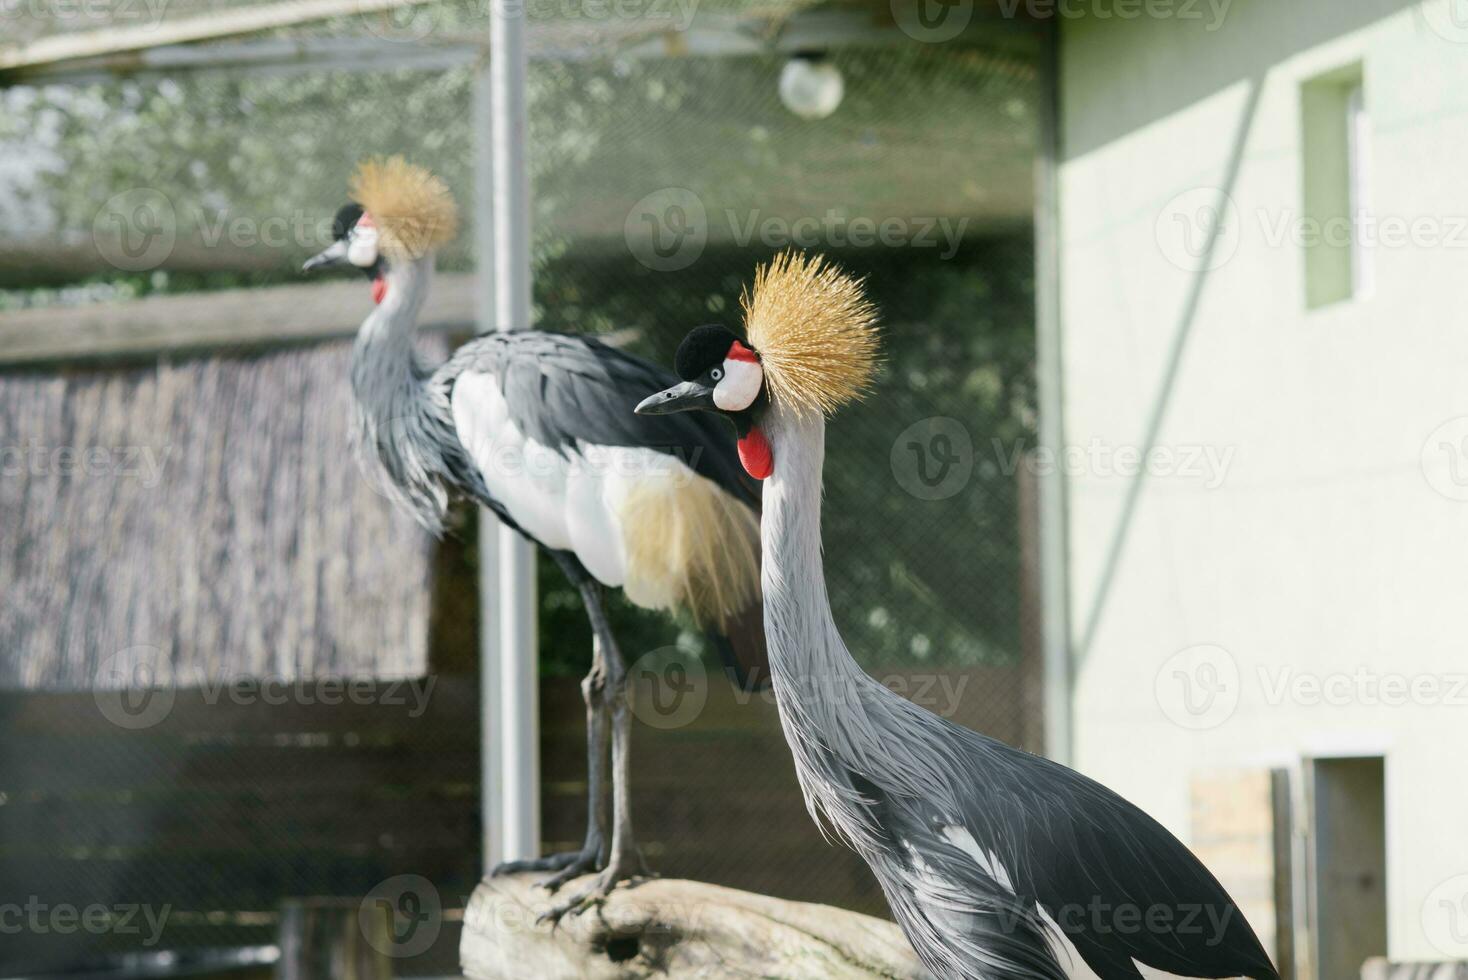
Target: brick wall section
1233, 833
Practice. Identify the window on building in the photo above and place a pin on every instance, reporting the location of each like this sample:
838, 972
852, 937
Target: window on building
1336, 158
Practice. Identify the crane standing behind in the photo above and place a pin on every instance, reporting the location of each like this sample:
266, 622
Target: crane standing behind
538, 427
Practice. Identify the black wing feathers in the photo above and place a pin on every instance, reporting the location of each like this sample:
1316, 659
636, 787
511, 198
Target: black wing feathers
965, 924
565, 389
1119, 885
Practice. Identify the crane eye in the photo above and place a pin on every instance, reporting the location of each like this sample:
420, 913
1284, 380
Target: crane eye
717, 374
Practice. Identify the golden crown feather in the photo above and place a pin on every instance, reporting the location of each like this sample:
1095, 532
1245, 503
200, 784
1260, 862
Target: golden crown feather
815, 332
413, 210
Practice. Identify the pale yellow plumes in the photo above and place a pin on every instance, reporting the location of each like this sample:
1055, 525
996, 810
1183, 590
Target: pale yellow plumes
815, 332
413, 209
691, 545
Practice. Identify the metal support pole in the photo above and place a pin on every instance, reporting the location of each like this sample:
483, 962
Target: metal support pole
491, 779
513, 722
1054, 571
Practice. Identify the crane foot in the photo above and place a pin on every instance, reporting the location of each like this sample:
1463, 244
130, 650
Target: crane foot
626, 871
584, 863
551, 862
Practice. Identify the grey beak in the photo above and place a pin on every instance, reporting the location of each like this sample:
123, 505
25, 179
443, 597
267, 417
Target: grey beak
333, 254
679, 398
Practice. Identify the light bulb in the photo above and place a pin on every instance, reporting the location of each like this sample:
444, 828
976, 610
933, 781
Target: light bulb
811, 87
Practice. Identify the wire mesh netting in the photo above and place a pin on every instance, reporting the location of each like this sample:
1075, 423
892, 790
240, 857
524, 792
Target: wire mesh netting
660, 182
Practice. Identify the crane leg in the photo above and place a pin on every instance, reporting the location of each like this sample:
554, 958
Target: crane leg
593, 853
624, 861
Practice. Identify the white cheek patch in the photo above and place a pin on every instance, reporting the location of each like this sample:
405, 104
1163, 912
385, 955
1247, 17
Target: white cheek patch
740, 387
362, 247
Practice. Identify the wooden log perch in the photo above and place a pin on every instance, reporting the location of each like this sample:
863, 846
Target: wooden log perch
672, 928
1377, 968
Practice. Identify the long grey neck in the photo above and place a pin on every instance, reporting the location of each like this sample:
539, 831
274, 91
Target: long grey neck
383, 360
838, 721
403, 432
806, 651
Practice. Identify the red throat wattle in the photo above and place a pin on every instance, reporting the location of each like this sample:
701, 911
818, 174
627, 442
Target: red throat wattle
755, 454
379, 289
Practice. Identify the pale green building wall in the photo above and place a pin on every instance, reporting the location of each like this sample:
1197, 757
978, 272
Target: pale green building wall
1322, 534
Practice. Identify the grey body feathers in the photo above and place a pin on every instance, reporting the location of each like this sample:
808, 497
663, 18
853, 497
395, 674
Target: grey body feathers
566, 392
899, 784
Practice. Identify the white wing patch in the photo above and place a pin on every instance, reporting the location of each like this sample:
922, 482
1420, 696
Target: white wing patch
637, 519
959, 837
528, 479
1065, 951
592, 524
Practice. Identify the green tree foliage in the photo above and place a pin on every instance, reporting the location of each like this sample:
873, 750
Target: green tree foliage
923, 132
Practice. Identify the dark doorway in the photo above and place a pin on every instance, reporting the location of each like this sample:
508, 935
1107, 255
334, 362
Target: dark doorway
1348, 863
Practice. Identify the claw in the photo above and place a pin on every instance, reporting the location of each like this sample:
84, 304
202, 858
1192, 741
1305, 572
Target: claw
593, 896
579, 865
551, 862
581, 902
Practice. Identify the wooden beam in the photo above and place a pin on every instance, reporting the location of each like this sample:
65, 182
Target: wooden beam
230, 319
167, 47
269, 56
30, 263
233, 319
231, 22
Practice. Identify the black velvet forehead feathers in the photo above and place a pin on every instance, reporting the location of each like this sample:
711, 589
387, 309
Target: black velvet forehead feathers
346, 219
703, 348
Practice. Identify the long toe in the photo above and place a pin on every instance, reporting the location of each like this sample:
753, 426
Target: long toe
619, 872
583, 863
593, 895
577, 903
551, 862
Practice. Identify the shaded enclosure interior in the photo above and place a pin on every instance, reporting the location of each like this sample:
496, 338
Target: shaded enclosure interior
260, 553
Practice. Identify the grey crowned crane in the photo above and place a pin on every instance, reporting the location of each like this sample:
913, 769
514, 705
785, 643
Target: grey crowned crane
996, 863
538, 427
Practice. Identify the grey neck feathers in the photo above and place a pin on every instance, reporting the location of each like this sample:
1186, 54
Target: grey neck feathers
809, 649
839, 722
384, 355
403, 427
821, 691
